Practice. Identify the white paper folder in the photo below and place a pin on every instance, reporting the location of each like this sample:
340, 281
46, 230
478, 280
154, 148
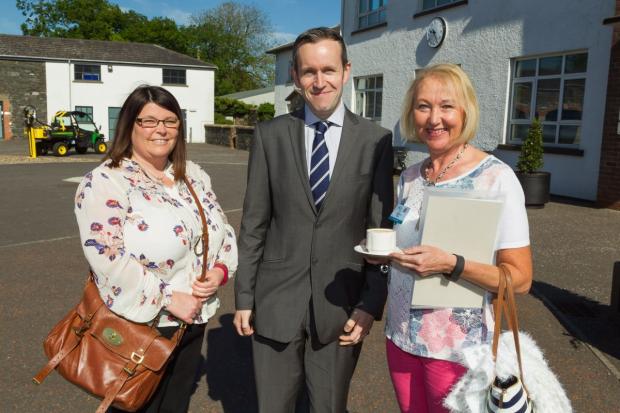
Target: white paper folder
463, 223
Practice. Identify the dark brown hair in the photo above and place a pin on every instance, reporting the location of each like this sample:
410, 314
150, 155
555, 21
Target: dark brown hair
121, 145
316, 35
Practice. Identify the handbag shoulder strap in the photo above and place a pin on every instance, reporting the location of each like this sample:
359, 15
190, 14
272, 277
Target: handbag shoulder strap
506, 303
205, 228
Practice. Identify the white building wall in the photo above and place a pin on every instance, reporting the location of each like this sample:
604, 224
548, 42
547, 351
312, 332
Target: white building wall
283, 82
65, 93
268, 97
483, 37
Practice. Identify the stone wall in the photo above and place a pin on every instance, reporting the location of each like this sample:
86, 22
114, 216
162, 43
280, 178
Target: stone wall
609, 172
22, 83
233, 136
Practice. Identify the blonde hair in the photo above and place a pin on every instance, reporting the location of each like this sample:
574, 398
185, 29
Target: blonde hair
451, 75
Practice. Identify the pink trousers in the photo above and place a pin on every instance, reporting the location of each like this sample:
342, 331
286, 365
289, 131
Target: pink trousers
421, 383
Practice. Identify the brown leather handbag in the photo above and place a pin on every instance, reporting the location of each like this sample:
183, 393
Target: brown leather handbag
109, 356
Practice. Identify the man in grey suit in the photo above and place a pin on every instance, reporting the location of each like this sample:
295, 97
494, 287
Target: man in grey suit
317, 179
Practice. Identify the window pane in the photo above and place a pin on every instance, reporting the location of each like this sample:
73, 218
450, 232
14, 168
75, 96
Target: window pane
521, 100
381, 16
372, 5
428, 4
371, 83
442, 2
359, 103
373, 19
570, 134
576, 63
550, 66
378, 104
572, 107
370, 101
549, 133
379, 84
518, 132
363, 22
361, 83
525, 68
547, 97
363, 4
113, 113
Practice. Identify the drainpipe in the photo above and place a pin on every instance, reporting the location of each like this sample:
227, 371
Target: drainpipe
70, 81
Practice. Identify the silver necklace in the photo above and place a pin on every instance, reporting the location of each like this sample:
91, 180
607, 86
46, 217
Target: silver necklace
428, 182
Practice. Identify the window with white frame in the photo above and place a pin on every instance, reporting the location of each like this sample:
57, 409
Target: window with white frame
87, 72
431, 4
368, 96
550, 88
370, 13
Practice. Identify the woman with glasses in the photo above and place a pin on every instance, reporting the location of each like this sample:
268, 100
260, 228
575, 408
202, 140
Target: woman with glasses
141, 234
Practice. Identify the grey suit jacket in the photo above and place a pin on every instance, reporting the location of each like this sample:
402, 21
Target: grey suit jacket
289, 252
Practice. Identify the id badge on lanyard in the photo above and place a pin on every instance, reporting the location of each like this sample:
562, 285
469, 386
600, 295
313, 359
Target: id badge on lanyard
400, 212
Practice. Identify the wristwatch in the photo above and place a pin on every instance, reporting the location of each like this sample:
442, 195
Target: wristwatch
384, 268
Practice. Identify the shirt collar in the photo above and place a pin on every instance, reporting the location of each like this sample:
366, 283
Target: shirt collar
336, 118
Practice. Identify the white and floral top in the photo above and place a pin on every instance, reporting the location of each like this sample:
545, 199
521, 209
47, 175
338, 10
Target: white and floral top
139, 238
442, 333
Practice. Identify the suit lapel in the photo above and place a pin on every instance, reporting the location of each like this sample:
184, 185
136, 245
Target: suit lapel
297, 136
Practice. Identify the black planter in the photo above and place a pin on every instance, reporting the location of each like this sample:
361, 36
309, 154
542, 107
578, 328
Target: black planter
535, 187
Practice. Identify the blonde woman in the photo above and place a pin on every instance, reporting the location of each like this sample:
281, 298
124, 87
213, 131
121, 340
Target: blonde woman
441, 111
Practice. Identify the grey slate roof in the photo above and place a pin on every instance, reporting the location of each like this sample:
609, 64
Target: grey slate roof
249, 93
53, 49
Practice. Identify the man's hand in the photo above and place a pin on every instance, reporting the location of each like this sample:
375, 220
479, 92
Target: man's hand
356, 328
242, 322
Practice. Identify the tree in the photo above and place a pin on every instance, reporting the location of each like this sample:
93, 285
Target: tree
531, 156
234, 37
98, 20
266, 111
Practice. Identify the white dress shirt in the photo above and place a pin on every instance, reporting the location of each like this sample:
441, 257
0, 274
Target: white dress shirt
332, 136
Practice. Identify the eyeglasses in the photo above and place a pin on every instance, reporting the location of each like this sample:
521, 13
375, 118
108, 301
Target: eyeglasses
153, 123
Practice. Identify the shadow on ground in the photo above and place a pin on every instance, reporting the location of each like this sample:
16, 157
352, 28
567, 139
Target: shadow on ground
598, 325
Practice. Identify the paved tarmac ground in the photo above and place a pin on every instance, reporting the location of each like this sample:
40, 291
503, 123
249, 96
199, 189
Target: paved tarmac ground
43, 270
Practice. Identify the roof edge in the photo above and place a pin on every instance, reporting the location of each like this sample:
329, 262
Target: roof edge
207, 66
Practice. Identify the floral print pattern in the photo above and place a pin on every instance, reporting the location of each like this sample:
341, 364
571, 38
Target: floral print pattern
138, 237
442, 333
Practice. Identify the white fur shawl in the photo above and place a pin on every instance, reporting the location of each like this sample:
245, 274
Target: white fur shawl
469, 394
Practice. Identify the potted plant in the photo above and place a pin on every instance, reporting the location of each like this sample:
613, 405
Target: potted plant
535, 182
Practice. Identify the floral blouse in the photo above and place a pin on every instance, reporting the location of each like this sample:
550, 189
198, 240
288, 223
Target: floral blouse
442, 333
140, 238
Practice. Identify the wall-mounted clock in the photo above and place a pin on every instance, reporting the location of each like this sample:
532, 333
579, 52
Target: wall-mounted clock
436, 32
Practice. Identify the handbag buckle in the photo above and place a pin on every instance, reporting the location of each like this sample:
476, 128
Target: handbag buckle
79, 331
136, 357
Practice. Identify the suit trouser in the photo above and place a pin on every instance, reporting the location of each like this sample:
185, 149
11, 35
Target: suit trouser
281, 369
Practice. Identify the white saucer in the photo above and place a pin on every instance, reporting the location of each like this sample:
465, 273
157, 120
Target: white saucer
361, 249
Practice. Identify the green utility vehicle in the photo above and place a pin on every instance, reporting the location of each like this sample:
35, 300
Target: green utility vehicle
67, 130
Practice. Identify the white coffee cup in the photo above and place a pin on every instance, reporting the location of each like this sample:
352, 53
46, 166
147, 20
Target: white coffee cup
380, 240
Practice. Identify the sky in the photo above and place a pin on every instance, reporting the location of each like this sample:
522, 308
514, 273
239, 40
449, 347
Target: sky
288, 17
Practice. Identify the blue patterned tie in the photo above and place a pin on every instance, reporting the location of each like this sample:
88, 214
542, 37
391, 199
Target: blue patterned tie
319, 164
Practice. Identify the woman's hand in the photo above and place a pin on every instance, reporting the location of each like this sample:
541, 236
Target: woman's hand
425, 260
207, 288
184, 306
